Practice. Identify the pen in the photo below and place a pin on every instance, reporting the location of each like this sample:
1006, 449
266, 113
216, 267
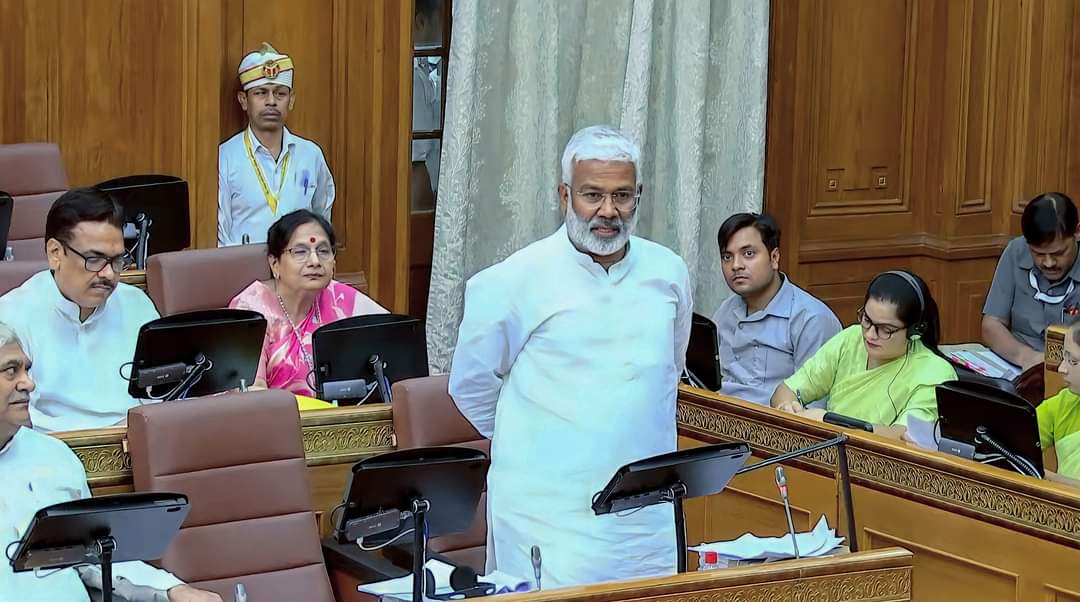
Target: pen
798, 398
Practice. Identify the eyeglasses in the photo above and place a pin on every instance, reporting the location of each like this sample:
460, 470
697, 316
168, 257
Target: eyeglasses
624, 200
96, 263
1067, 358
301, 253
883, 331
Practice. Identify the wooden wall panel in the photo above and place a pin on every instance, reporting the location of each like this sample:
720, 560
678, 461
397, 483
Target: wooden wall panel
910, 134
127, 86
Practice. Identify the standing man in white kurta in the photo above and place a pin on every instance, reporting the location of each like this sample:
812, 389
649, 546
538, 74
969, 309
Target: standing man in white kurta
266, 171
568, 358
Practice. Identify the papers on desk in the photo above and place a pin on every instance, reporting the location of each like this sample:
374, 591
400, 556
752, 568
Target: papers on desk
818, 542
401, 588
922, 433
982, 360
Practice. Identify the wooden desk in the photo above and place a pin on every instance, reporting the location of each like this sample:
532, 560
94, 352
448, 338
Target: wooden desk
878, 576
333, 441
1055, 351
977, 533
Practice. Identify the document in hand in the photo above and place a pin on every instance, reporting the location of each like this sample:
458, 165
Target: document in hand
818, 542
401, 588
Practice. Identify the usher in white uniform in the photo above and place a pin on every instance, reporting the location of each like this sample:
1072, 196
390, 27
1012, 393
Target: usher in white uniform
573, 371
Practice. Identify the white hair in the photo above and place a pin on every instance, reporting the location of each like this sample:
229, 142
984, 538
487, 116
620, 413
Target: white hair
8, 336
600, 143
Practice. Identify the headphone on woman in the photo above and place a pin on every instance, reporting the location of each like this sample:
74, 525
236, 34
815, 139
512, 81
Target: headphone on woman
919, 328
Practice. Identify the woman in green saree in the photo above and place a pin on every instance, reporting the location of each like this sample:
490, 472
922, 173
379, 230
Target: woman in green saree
882, 369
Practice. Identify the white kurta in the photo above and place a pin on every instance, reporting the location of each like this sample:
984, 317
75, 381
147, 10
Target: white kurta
37, 471
76, 365
573, 372
305, 183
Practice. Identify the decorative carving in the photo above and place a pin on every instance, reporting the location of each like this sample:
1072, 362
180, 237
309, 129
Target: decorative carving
1055, 349
104, 464
332, 440
871, 586
109, 464
943, 488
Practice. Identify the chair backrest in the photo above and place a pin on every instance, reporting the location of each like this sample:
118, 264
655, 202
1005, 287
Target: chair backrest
14, 273
239, 458
33, 174
425, 415
203, 278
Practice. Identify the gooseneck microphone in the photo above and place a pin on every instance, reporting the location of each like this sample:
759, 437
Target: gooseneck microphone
781, 484
536, 565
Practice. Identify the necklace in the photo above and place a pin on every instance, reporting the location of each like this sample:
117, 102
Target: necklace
296, 331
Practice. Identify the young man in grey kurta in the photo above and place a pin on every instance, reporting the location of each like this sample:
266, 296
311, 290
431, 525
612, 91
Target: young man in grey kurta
769, 327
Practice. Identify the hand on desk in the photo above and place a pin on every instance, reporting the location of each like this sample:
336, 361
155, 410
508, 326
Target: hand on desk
791, 407
812, 413
186, 593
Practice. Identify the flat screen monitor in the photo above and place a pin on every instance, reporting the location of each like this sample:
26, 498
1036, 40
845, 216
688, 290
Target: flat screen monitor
966, 407
163, 199
343, 350
226, 342
143, 525
451, 479
703, 354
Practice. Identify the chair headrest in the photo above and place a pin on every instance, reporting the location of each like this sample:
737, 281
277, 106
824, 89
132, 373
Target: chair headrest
203, 278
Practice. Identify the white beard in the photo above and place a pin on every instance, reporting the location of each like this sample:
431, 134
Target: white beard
581, 234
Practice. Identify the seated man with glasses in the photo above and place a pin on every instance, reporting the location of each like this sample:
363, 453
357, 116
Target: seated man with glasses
881, 370
301, 297
78, 323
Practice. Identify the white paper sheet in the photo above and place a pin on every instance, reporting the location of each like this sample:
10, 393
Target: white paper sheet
818, 542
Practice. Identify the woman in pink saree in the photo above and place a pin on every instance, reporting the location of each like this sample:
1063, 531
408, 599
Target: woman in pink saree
301, 297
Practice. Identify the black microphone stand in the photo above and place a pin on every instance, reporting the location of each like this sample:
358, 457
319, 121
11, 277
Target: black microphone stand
840, 443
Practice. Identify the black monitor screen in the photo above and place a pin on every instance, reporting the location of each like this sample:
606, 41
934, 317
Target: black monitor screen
231, 339
164, 199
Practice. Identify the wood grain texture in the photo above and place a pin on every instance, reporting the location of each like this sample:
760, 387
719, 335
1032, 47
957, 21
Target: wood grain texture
130, 87
909, 134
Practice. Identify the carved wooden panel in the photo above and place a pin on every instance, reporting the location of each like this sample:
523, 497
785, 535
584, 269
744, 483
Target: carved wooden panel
968, 108
860, 66
963, 324
1055, 594
948, 576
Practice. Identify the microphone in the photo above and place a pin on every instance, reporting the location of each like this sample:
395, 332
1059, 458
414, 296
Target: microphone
536, 565
781, 484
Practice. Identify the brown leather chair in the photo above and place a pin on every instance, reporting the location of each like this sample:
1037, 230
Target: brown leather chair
33, 174
203, 278
14, 273
425, 415
239, 458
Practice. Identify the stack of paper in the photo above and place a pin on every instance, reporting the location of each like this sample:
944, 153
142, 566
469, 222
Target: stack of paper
402, 586
818, 542
981, 360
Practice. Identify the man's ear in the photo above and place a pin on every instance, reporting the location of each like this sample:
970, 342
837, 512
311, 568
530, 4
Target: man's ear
54, 252
564, 197
241, 97
774, 257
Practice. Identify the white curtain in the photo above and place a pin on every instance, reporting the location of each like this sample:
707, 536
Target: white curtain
686, 77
